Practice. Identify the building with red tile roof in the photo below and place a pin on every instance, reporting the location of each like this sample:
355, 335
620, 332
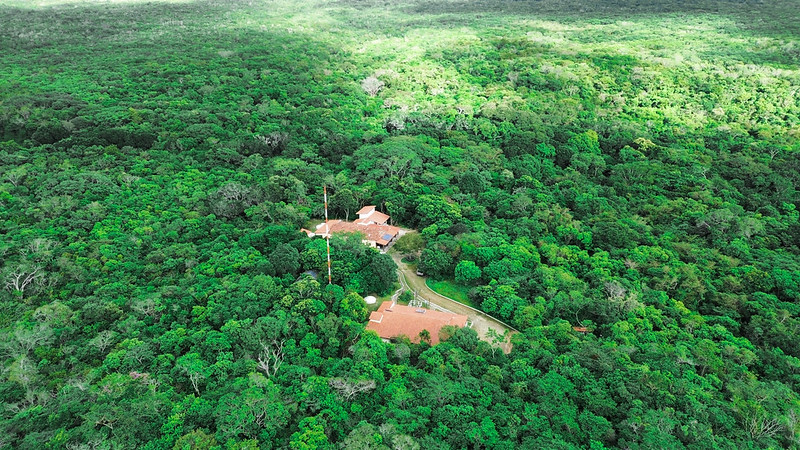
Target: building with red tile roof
370, 223
376, 217
368, 215
392, 320
365, 210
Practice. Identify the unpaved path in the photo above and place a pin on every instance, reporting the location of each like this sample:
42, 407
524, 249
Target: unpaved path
481, 322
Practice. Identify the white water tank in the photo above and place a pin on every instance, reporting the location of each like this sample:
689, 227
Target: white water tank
370, 300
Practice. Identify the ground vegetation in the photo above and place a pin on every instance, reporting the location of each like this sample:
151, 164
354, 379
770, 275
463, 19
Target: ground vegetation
627, 167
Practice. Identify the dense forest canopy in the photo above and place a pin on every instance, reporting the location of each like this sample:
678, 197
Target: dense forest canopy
629, 167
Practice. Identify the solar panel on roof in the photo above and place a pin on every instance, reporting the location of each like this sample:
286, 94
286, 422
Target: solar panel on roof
387, 237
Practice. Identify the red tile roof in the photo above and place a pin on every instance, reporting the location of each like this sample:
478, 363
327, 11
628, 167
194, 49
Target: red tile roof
393, 321
377, 217
381, 234
365, 209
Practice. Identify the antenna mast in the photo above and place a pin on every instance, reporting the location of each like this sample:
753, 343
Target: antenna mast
327, 231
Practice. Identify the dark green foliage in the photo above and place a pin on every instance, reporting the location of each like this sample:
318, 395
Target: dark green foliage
628, 167
285, 260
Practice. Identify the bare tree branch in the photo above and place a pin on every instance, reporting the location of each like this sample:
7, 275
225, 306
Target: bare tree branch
372, 86
348, 388
271, 357
19, 279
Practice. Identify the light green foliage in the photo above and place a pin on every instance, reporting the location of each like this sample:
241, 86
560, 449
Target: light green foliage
365, 436
467, 272
627, 168
256, 412
410, 243
196, 440
311, 436
436, 262
352, 306
434, 210
396, 158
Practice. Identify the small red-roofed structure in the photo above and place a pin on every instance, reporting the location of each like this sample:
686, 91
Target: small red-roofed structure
365, 211
375, 217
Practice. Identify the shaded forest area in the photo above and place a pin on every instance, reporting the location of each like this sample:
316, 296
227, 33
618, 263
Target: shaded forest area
629, 168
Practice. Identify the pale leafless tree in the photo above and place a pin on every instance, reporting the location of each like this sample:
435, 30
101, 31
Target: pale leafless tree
79, 383
28, 339
276, 140
40, 245
194, 378
90, 445
792, 422
404, 442
56, 206
614, 290
719, 219
759, 426
685, 360
55, 312
750, 226
234, 191
402, 351
15, 176
146, 307
513, 77
630, 264
349, 388
625, 301
372, 86
683, 357
25, 371
22, 277
103, 340
129, 179
271, 357
396, 121
97, 178
232, 198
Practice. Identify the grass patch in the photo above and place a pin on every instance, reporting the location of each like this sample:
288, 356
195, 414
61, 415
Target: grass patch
311, 224
384, 298
388, 296
411, 264
450, 289
409, 259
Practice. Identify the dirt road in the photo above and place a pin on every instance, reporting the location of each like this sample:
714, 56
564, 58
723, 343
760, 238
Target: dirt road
481, 322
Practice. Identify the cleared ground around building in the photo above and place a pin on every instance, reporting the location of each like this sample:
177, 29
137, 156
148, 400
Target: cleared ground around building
481, 322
